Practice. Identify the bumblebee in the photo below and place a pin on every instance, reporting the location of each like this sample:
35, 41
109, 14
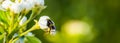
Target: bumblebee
47, 25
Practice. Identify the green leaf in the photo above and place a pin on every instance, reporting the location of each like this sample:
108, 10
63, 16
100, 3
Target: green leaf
32, 39
3, 17
2, 37
1, 30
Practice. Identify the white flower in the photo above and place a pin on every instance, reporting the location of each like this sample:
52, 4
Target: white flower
24, 5
28, 4
46, 24
1, 8
6, 4
43, 22
39, 2
17, 7
23, 20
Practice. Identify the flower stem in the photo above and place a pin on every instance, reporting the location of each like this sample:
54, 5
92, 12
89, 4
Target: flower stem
35, 27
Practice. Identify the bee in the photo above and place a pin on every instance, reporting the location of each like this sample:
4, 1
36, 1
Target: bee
47, 25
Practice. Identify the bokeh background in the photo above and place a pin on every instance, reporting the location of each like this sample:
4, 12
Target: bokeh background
83, 21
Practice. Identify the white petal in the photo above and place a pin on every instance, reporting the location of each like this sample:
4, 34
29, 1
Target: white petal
29, 4
39, 2
43, 22
6, 4
30, 34
1, 8
42, 2
23, 20
17, 7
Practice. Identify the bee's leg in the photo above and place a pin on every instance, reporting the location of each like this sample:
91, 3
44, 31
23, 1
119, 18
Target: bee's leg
47, 32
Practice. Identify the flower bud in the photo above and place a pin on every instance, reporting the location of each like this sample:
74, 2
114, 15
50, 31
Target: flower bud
23, 20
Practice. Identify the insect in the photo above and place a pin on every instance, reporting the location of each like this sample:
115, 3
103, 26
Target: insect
52, 28
47, 25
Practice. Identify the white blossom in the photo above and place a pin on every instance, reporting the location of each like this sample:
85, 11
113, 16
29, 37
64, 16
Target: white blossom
46, 23
43, 22
29, 4
6, 4
39, 2
17, 7
23, 20
1, 8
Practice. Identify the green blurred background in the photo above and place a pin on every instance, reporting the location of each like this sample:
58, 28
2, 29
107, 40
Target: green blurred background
99, 18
